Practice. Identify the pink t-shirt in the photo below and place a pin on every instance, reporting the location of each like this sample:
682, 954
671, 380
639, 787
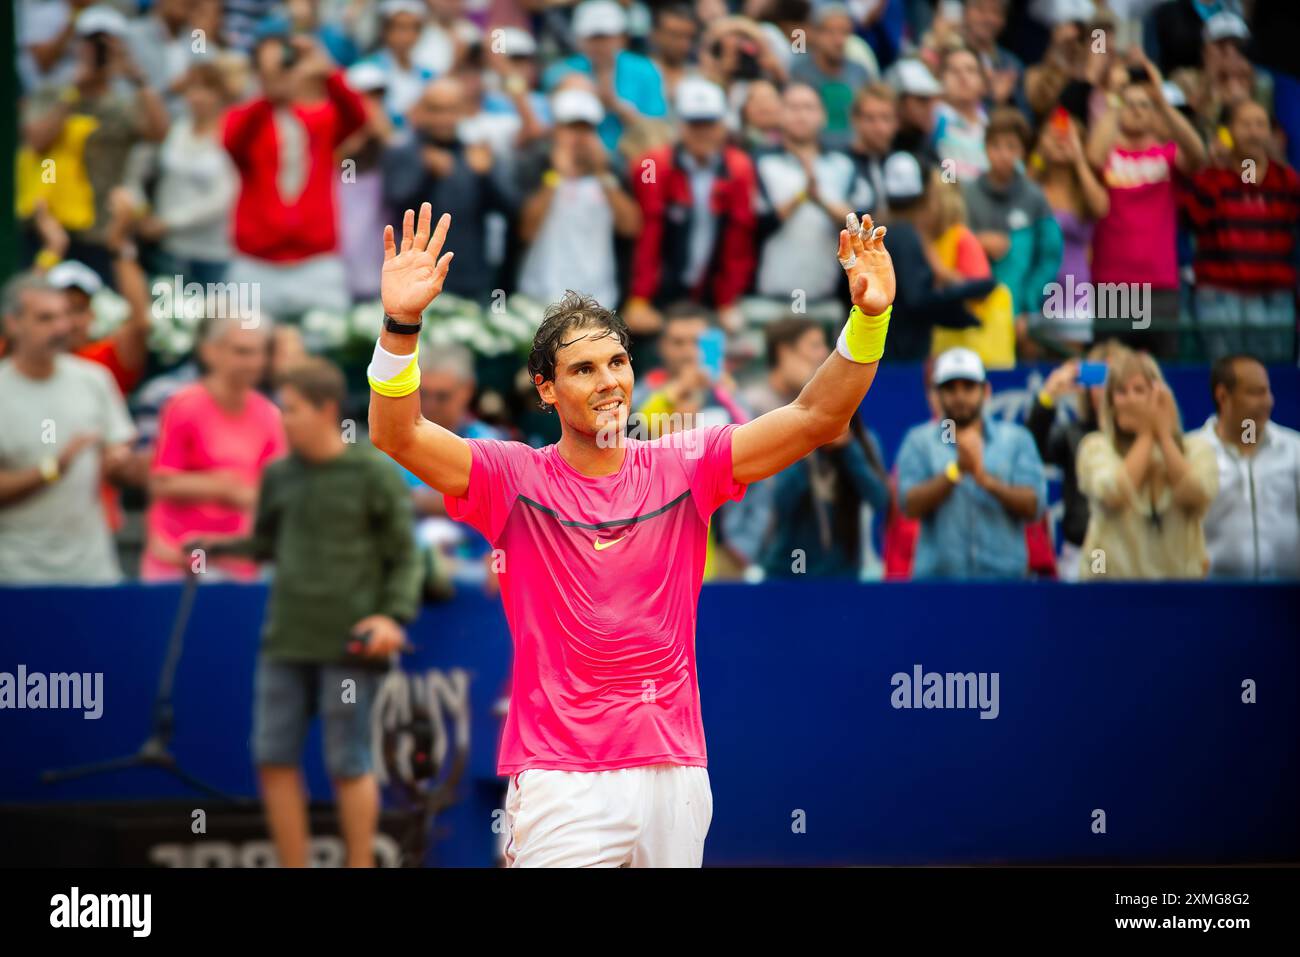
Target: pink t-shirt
600, 585
196, 434
1135, 241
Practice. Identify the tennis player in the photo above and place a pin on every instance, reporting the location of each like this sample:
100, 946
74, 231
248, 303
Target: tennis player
602, 542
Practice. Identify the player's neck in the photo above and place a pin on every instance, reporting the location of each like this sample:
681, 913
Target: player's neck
589, 455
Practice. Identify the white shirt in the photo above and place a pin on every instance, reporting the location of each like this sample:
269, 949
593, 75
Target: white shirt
59, 532
1253, 527
39, 21
574, 248
704, 225
196, 192
800, 255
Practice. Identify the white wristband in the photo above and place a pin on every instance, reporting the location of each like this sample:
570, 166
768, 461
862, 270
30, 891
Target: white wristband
384, 365
842, 345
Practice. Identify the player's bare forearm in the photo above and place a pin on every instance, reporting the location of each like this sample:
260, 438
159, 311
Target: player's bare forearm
412, 278
823, 409
437, 457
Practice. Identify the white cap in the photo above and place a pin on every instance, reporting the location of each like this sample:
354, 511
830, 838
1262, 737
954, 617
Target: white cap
699, 99
1070, 11
1226, 26
957, 363
101, 18
599, 18
468, 33
391, 8
71, 274
366, 77
913, 78
577, 106
901, 176
516, 42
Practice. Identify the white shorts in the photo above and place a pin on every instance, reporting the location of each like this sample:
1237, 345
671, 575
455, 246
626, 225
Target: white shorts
653, 816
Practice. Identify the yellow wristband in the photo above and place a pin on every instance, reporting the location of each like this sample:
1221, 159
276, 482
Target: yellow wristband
863, 337
952, 473
47, 259
550, 179
402, 384
1045, 399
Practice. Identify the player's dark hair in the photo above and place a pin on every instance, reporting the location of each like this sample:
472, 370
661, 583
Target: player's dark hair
572, 313
784, 332
1224, 373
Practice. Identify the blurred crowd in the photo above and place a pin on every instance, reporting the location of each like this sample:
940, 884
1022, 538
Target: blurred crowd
1101, 187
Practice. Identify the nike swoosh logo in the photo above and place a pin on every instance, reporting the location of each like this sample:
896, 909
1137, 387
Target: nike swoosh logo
601, 546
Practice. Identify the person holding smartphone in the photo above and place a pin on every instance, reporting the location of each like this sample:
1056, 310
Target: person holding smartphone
86, 130
1058, 429
1077, 198
286, 233
575, 206
1139, 146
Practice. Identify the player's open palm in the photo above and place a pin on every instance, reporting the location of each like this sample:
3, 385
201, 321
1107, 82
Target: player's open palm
867, 264
413, 274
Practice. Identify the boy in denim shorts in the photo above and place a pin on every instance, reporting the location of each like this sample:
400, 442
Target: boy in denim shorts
336, 519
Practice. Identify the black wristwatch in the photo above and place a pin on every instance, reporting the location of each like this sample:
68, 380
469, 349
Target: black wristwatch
401, 328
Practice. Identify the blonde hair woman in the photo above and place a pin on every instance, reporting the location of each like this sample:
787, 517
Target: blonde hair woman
1148, 485
957, 256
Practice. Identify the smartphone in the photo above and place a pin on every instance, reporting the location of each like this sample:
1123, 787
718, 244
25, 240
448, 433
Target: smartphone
1092, 373
1138, 74
100, 43
288, 55
713, 346
1061, 121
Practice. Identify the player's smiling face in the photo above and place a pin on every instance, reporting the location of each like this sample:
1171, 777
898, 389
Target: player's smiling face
592, 389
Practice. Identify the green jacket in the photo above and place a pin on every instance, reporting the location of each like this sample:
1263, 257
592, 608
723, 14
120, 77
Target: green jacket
341, 535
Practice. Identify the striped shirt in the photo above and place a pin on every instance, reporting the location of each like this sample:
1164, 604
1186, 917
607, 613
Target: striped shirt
1245, 232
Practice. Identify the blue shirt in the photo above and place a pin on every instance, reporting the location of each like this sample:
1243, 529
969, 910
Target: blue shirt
971, 535
636, 79
404, 85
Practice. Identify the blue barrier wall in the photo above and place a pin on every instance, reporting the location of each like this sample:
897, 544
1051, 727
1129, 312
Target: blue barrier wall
1123, 698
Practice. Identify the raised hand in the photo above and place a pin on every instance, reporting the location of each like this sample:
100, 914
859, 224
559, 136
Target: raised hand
1163, 414
867, 264
413, 276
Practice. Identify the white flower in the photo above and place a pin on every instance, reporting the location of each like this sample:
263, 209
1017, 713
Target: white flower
322, 329
110, 311
366, 320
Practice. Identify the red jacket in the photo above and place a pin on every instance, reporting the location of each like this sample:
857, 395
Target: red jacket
266, 226
663, 245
